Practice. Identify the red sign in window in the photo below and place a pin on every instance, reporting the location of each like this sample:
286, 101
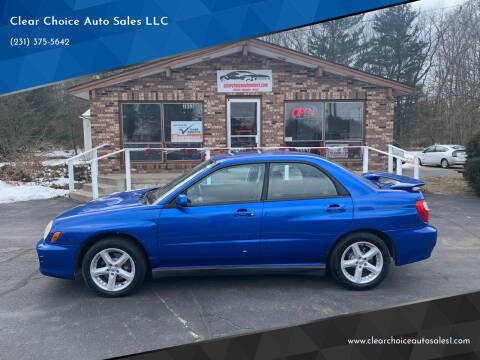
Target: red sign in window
302, 112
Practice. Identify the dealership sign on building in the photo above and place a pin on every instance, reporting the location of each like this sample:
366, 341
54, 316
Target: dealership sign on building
186, 131
244, 80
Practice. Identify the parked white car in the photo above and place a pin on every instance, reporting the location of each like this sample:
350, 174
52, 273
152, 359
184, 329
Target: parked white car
443, 155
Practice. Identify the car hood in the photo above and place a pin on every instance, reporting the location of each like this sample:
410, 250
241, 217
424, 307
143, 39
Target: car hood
110, 202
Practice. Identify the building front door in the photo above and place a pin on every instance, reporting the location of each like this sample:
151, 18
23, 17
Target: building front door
243, 123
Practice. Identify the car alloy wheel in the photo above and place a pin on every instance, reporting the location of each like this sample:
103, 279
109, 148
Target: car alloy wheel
361, 262
444, 163
112, 269
114, 266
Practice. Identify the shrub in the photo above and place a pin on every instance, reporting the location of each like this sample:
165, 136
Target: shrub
473, 146
27, 168
472, 173
472, 165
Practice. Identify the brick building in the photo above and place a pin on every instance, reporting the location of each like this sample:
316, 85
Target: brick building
243, 94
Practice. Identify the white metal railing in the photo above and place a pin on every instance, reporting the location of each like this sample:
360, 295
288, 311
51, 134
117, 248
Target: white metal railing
71, 175
397, 152
337, 152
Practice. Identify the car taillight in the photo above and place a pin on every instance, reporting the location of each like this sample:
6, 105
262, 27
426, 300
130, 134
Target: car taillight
454, 154
422, 209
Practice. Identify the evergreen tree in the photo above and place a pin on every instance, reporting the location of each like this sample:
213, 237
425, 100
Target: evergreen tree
337, 41
396, 50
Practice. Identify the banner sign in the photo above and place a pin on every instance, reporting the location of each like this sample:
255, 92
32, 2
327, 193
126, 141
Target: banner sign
187, 131
337, 151
42, 42
244, 80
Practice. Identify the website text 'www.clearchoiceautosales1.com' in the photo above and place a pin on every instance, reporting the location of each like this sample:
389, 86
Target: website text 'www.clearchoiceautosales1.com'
410, 341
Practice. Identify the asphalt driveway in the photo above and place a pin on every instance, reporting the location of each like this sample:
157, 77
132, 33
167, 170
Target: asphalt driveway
51, 318
436, 171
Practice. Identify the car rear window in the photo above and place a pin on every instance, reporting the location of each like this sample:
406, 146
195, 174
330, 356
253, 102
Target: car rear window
365, 180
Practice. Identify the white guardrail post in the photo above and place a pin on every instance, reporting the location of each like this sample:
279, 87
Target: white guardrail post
390, 159
71, 178
416, 167
128, 177
399, 166
94, 174
365, 159
94, 169
208, 154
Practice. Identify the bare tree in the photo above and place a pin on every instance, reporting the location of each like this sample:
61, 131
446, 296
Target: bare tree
453, 82
295, 39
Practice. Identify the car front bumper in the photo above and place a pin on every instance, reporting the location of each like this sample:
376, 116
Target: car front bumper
414, 244
56, 260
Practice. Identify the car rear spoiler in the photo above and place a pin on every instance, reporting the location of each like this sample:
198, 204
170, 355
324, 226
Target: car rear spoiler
402, 182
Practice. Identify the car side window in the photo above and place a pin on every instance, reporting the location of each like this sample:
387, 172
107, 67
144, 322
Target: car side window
430, 149
441, 149
239, 183
291, 181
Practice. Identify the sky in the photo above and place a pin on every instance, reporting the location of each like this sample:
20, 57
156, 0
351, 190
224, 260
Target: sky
436, 4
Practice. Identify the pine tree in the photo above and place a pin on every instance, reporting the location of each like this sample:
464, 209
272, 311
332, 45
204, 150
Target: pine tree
396, 50
337, 41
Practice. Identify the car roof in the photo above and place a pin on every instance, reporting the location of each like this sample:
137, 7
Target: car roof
269, 156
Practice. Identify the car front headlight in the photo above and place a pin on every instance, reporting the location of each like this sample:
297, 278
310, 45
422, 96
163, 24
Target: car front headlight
47, 230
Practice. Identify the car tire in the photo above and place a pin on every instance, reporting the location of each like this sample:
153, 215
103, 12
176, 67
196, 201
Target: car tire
444, 163
120, 273
345, 264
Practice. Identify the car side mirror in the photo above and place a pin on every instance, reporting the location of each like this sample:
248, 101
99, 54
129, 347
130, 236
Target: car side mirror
181, 200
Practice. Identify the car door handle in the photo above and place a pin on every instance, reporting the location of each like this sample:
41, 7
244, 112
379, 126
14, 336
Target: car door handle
335, 208
244, 212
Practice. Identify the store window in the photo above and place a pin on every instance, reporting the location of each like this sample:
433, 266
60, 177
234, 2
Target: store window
142, 128
303, 121
182, 124
337, 125
159, 125
344, 121
344, 130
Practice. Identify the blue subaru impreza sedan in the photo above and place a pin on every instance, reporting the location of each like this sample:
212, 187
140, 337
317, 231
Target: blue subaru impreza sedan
268, 211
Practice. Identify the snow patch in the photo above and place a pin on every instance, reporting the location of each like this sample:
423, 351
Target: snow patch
56, 162
57, 153
62, 181
27, 191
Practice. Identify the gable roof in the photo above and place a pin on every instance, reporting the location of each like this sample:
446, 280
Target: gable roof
253, 46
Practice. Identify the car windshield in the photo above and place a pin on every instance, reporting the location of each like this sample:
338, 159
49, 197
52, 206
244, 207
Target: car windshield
156, 195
